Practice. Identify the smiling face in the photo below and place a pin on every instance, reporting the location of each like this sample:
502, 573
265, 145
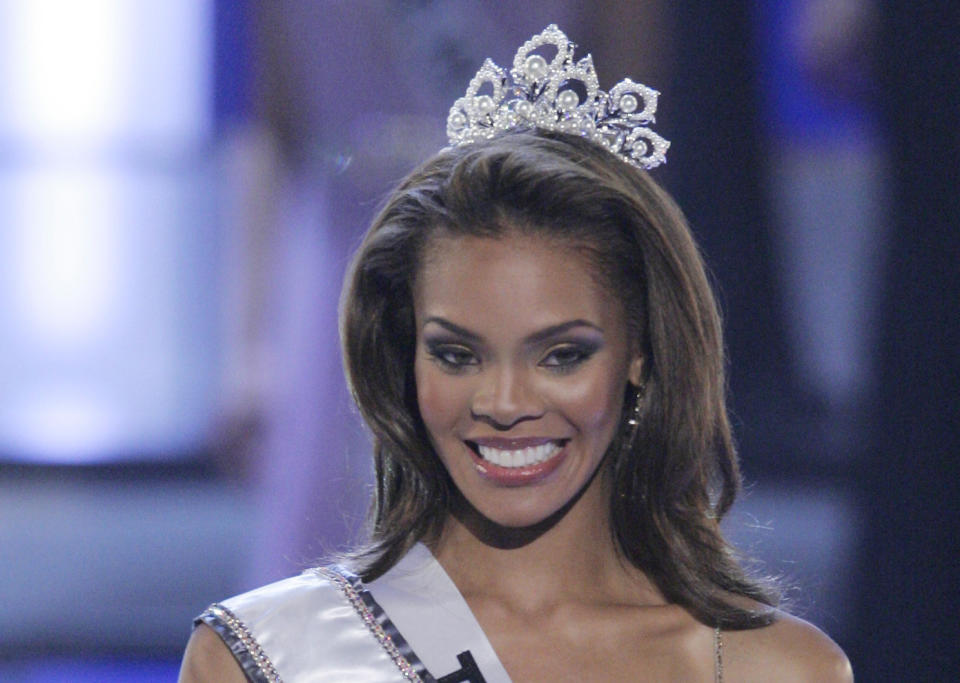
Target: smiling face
521, 364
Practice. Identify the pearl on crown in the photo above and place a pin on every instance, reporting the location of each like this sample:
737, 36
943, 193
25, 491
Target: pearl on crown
485, 104
567, 100
629, 103
535, 67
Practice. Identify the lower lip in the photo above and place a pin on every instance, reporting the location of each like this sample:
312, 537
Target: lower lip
518, 476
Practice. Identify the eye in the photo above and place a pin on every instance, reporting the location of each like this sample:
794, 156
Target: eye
452, 356
565, 357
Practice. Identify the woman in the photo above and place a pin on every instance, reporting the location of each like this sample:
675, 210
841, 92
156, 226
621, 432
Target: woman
530, 335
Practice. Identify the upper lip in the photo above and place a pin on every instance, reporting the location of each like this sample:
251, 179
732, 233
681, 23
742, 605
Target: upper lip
512, 444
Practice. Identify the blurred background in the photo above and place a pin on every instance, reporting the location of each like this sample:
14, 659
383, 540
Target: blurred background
181, 185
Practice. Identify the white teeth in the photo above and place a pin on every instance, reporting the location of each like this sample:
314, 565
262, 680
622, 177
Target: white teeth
522, 457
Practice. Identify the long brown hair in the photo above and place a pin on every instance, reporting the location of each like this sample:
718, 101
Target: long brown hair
678, 475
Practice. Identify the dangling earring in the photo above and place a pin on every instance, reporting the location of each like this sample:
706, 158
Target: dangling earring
630, 435
633, 420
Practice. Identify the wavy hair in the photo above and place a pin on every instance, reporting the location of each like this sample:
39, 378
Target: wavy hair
674, 480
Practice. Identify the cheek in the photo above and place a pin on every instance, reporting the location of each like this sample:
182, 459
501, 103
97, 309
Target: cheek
595, 404
440, 398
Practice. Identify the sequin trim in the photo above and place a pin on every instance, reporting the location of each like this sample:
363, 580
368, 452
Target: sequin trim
378, 622
241, 642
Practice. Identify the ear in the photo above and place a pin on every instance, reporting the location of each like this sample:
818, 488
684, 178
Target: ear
635, 371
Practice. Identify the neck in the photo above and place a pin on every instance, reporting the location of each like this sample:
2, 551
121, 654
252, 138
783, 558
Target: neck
570, 556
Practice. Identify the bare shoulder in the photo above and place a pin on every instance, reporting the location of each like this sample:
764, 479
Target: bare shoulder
789, 650
208, 659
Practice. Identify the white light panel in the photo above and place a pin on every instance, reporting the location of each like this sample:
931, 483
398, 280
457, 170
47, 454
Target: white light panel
106, 232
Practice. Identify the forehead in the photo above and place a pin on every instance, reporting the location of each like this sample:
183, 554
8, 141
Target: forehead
512, 278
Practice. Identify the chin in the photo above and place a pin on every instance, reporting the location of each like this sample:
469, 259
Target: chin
490, 519
519, 520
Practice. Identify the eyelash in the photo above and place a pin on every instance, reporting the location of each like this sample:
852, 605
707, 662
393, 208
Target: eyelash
457, 359
579, 353
441, 354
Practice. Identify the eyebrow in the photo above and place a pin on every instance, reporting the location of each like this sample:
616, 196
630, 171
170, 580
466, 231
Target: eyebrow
535, 338
456, 329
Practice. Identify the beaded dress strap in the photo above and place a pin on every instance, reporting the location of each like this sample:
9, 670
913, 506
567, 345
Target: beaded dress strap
717, 655
380, 625
244, 646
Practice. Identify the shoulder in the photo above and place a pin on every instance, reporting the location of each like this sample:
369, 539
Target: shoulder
316, 585
789, 650
208, 658
247, 630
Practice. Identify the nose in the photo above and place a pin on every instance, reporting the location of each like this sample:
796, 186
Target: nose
504, 397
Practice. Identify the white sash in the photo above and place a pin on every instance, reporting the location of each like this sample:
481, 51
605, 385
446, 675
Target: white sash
325, 626
426, 607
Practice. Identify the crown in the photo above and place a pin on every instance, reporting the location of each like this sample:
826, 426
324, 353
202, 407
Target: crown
559, 95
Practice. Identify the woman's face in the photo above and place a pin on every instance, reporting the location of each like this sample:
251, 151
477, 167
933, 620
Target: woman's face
521, 364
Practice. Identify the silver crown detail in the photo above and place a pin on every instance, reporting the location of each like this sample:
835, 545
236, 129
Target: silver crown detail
559, 95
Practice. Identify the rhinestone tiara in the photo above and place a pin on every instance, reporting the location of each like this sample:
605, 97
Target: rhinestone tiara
559, 95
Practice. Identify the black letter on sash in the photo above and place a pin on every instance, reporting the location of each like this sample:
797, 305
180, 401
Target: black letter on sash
467, 673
